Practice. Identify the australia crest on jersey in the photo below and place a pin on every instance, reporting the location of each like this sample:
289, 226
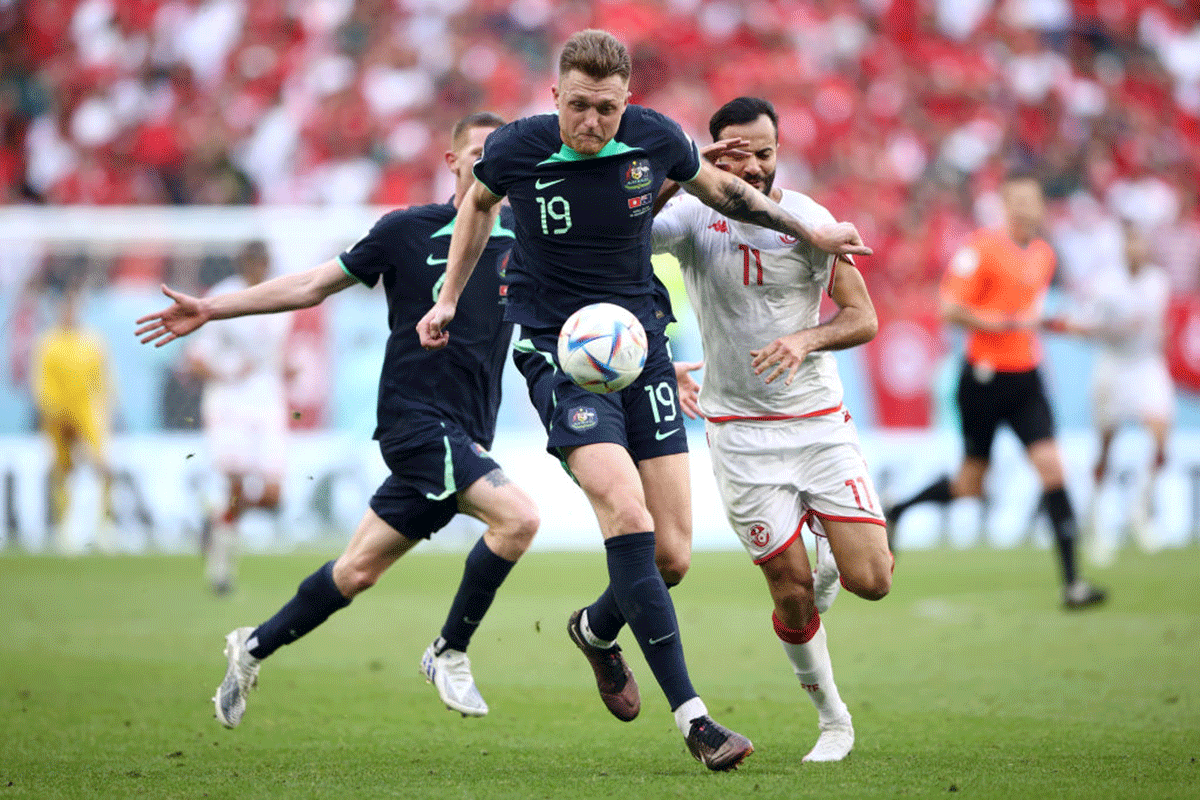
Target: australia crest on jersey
638, 175
582, 418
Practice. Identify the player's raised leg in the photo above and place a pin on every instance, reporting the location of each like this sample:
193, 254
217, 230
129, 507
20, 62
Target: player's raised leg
375, 546
861, 551
512, 520
607, 475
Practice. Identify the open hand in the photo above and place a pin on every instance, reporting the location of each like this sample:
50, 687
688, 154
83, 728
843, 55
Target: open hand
689, 390
784, 354
180, 318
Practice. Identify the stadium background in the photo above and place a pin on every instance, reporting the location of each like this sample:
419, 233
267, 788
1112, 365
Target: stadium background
145, 141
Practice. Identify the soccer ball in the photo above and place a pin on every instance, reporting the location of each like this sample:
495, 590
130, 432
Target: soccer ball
602, 347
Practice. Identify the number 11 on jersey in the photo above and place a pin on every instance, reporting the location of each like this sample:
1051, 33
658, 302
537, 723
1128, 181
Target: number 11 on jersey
746, 251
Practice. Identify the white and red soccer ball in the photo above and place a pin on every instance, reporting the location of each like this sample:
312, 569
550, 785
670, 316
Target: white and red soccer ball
602, 347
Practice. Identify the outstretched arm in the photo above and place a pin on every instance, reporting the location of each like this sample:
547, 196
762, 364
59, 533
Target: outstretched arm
285, 293
854, 323
738, 200
472, 227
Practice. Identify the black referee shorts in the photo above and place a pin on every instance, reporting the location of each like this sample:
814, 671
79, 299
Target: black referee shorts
987, 398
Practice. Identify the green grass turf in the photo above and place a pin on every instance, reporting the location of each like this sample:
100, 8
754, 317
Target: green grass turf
967, 679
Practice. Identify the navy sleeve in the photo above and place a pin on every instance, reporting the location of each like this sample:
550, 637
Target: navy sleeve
680, 152
490, 168
368, 258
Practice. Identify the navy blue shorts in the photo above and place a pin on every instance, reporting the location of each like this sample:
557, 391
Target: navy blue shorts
644, 417
988, 399
431, 461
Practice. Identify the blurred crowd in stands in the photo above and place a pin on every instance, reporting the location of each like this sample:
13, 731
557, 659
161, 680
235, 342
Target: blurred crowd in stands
899, 115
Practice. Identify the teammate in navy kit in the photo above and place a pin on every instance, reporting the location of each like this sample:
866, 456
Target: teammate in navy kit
436, 420
581, 184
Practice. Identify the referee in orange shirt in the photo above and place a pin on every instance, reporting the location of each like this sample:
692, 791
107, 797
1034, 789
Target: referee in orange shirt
995, 289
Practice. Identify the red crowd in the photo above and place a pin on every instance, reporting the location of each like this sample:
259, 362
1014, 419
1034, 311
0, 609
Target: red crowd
900, 115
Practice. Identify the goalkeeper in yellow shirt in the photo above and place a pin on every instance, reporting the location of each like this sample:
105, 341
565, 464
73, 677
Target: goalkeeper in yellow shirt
73, 394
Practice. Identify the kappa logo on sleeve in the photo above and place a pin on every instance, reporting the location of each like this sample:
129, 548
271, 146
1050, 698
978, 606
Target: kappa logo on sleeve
582, 418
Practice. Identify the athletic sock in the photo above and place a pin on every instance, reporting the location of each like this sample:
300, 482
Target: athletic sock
607, 617
808, 651
483, 573
589, 635
646, 605
604, 619
316, 598
1062, 519
937, 492
687, 712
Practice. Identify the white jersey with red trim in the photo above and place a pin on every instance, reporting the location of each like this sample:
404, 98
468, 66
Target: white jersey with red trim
750, 285
248, 356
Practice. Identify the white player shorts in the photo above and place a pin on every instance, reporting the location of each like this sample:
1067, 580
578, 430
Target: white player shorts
246, 438
1131, 390
775, 476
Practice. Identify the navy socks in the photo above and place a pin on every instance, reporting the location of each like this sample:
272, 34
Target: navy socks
642, 599
316, 598
483, 573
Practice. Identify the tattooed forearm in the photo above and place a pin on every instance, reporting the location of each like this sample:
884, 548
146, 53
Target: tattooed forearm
497, 478
740, 201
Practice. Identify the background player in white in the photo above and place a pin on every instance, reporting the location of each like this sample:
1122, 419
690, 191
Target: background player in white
784, 449
244, 366
1125, 313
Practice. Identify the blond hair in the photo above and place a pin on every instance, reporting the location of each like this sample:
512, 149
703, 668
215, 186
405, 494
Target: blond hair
597, 54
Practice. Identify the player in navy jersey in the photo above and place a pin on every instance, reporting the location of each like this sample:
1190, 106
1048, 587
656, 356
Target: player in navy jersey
436, 420
581, 184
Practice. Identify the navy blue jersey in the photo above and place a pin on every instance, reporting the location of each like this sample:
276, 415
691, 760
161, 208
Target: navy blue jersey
583, 223
461, 381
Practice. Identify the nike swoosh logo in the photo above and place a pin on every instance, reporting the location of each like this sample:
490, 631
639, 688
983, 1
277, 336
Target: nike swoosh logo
470, 621
540, 184
659, 435
433, 262
661, 639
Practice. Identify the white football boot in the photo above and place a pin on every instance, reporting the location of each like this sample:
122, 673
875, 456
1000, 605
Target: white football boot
835, 742
450, 673
240, 677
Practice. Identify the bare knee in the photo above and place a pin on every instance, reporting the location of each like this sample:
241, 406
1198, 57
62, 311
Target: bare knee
511, 537
352, 576
673, 566
873, 582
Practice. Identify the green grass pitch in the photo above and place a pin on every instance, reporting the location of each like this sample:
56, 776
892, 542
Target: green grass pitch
967, 680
